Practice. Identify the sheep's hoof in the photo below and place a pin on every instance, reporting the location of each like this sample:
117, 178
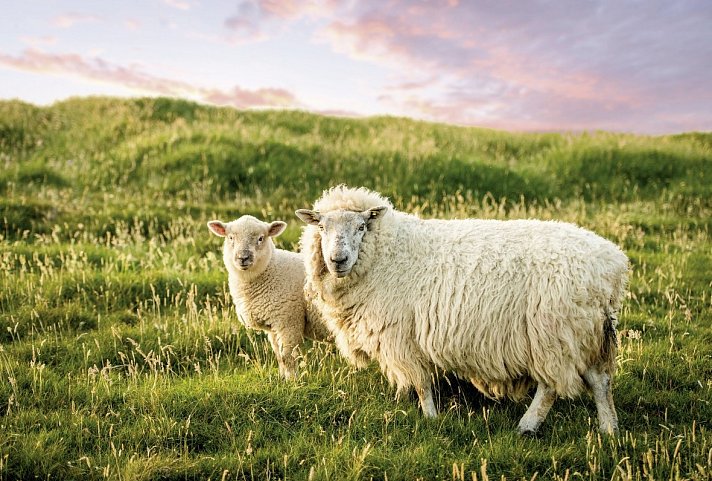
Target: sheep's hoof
608, 430
528, 429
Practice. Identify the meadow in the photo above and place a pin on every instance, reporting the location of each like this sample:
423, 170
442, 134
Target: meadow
121, 356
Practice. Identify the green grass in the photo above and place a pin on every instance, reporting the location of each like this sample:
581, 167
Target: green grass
121, 356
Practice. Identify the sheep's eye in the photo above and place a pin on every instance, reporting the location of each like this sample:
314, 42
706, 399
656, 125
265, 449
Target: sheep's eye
362, 227
261, 238
230, 237
321, 227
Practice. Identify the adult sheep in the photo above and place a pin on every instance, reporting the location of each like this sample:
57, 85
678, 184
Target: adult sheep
505, 304
267, 287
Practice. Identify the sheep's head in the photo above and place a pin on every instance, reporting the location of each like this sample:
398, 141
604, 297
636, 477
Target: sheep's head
341, 234
248, 245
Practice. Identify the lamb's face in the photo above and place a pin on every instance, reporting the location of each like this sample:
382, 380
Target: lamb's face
247, 243
341, 235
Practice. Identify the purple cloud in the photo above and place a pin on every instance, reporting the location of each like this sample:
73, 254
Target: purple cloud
541, 65
254, 17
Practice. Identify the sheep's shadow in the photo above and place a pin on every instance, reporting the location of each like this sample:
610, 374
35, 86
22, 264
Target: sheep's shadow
453, 393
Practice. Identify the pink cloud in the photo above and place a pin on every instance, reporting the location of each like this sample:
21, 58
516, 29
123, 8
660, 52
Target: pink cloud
132, 77
43, 41
179, 4
292, 9
406, 85
132, 24
68, 20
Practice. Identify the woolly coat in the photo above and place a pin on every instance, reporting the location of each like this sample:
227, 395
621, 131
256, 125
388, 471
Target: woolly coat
501, 303
273, 299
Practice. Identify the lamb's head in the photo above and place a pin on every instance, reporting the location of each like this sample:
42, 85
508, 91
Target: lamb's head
341, 232
248, 245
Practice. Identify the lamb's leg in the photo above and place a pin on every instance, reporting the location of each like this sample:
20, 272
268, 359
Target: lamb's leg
538, 409
600, 384
427, 403
277, 352
289, 342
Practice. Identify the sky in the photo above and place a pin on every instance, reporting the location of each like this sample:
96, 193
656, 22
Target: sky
642, 66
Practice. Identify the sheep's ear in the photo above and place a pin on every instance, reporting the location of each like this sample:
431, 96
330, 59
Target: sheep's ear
311, 217
374, 214
217, 228
276, 228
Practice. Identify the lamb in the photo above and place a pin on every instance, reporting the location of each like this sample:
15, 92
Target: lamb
504, 304
267, 287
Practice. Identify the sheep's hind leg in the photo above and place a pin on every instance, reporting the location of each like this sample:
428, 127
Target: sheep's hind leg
600, 384
538, 409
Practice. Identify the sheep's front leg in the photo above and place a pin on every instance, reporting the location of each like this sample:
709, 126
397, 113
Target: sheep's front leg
538, 409
415, 373
427, 403
289, 342
277, 352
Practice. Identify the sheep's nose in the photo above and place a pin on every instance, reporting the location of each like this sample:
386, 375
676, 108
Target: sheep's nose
243, 258
339, 258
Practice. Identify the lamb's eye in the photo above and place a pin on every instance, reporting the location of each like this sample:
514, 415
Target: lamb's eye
261, 238
321, 227
362, 227
230, 237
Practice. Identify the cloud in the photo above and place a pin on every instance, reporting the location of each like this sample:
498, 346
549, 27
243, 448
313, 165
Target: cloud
540, 65
133, 77
255, 19
132, 24
294, 9
604, 64
179, 4
43, 41
247, 23
68, 20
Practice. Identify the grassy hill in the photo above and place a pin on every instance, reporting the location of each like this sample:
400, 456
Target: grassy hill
121, 356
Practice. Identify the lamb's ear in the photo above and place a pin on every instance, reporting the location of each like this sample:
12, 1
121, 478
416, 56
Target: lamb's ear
374, 214
276, 228
311, 217
217, 228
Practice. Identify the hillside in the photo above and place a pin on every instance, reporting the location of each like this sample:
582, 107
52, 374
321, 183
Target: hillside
162, 147
121, 356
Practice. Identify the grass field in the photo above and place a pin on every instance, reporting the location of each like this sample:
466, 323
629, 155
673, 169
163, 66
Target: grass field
121, 356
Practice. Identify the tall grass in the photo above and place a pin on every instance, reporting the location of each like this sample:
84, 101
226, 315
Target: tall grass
121, 356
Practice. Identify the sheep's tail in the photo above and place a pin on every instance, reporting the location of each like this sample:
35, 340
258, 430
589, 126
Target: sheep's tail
609, 346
